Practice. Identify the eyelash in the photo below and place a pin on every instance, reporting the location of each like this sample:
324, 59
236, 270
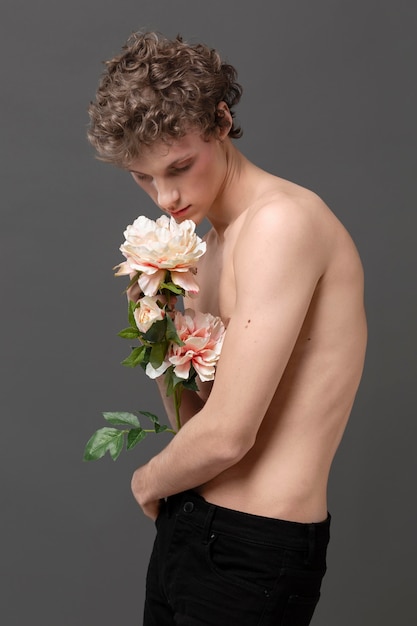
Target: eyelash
174, 172
179, 170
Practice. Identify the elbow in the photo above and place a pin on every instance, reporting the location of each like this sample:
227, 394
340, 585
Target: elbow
231, 447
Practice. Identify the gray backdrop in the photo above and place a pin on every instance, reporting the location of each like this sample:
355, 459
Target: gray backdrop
329, 102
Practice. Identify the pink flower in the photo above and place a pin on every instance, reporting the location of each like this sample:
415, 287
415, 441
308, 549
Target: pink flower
153, 247
203, 335
147, 313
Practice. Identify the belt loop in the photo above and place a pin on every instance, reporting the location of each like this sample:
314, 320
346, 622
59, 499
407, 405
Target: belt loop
311, 543
207, 524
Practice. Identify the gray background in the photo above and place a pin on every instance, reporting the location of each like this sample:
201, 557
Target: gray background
329, 102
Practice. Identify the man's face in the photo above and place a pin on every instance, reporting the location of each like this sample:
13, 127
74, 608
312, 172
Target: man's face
184, 178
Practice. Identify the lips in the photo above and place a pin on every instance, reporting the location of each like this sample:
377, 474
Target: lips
179, 212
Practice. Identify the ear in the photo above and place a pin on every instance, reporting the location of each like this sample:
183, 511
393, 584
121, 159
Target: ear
224, 120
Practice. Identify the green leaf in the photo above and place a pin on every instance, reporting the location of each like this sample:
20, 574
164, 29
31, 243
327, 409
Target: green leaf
135, 357
169, 381
154, 418
190, 384
117, 445
131, 307
159, 428
158, 352
171, 332
127, 419
172, 380
129, 333
104, 440
156, 332
172, 287
134, 436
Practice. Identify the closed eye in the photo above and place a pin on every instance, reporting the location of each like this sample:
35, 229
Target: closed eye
178, 170
171, 171
141, 177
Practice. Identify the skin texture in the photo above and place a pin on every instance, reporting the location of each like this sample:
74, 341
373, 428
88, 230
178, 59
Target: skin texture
286, 278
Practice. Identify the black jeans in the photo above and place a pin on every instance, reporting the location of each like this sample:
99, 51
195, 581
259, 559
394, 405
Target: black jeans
212, 566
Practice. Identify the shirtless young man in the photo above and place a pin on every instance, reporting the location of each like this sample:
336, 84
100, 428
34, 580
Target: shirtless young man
240, 492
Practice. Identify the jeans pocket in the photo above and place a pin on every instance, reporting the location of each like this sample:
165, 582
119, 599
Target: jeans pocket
299, 592
249, 565
299, 610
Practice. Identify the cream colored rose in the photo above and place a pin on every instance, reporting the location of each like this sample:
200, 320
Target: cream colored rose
153, 247
147, 313
203, 336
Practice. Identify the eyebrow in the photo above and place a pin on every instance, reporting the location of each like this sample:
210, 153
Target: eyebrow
173, 164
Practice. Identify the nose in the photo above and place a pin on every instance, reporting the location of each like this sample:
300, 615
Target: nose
167, 195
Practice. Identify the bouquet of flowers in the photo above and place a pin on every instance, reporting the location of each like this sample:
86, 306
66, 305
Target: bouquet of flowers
161, 258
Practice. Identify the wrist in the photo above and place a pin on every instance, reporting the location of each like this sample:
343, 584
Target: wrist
139, 486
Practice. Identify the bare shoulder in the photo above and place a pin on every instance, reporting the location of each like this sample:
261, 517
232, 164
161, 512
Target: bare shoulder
288, 216
284, 204
297, 233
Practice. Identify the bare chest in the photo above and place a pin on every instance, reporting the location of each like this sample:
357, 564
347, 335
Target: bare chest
216, 279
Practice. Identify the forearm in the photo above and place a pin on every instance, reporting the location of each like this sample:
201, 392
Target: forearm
193, 457
191, 403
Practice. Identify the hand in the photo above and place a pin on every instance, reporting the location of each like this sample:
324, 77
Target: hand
152, 509
149, 507
134, 292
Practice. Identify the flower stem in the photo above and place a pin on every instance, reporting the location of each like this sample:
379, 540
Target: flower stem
152, 430
177, 404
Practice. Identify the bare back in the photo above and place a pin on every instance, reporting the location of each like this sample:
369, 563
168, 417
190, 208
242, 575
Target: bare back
285, 473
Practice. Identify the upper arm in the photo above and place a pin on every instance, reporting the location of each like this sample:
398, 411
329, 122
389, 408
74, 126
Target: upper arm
277, 264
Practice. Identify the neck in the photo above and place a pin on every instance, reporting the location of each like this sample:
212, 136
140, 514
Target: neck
234, 195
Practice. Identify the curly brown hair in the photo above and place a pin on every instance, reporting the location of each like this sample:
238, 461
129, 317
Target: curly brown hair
157, 89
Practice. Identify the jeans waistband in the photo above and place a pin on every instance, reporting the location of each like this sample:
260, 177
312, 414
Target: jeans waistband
267, 530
